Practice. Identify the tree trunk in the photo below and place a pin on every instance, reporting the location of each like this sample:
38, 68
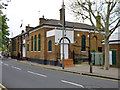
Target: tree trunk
107, 54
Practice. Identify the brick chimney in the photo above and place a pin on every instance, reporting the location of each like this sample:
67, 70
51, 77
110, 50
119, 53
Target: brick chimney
98, 21
22, 31
28, 27
61, 15
61, 11
42, 20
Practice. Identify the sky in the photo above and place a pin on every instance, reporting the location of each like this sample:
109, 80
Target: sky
28, 11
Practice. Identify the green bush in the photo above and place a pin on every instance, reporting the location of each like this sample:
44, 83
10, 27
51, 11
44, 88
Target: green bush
94, 50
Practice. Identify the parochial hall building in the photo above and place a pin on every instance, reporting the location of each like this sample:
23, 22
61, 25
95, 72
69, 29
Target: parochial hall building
43, 43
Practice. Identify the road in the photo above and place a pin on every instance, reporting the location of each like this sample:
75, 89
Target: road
19, 75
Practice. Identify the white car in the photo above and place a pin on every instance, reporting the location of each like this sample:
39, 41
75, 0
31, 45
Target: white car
1, 54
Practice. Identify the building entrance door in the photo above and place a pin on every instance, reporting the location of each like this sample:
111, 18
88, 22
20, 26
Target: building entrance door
112, 57
23, 51
66, 51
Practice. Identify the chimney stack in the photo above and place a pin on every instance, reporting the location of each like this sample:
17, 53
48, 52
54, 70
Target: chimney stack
22, 31
28, 27
42, 20
61, 14
98, 21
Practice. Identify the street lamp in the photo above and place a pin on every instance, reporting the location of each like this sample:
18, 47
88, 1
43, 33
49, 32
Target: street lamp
90, 62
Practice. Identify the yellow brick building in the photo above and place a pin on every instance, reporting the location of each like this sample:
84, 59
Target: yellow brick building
43, 43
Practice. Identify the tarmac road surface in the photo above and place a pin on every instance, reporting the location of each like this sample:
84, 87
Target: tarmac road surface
19, 75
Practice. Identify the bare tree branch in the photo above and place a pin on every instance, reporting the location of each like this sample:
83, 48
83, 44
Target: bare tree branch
90, 10
102, 18
108, 11
114, 21
113, 5
113, 29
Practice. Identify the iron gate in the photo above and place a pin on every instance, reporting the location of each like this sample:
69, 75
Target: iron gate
81, 56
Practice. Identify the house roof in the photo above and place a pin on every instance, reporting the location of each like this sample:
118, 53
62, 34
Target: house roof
53, 22
56, 23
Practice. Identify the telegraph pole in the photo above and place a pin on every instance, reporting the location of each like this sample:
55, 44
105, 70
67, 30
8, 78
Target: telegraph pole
90, 61
63, 24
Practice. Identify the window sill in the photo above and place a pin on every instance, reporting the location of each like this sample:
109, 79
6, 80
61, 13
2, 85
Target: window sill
49, 51
38, 51
83, 51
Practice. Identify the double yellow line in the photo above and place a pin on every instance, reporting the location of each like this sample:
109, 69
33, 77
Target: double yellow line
4, 88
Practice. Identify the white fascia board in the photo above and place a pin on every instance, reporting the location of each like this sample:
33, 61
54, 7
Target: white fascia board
50, 33
41, 28
84, 30
111, 43
69, 34
70, 29
114, 43
81, 30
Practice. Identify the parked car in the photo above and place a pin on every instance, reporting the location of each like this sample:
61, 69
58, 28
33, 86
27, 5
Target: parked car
1, 54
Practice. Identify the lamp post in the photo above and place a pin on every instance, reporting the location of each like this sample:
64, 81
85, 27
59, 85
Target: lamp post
90, 62
63, 25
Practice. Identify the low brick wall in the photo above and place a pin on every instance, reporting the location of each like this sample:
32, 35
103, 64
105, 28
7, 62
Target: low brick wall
67, 62
45, 62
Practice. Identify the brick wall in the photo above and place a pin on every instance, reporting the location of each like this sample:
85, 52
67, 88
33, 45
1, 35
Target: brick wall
38, 54
46, 55
94, 43
51, 55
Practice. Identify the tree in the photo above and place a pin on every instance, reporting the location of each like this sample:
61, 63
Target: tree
0, 31
4, 33
0, 39
104, 12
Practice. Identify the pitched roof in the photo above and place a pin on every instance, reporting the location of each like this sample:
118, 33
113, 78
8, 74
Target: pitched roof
53, 22
56, 23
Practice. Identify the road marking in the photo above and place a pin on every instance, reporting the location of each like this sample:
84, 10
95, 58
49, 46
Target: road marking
72, 83
3, 86
6, 64
16, 68
37, 74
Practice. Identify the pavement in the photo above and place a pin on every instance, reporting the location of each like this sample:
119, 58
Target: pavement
83, 69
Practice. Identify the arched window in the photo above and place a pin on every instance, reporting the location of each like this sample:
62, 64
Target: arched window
32, 43
83, 43
35, 47
49, 45
39, 42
